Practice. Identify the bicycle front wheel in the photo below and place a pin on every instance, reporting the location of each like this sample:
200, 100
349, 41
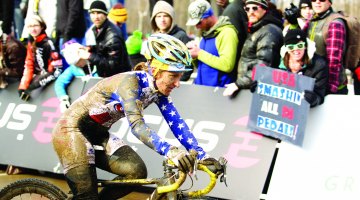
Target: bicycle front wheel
31, 189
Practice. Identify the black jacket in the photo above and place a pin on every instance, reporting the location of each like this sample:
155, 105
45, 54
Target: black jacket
319, 70
70, 20
109, 55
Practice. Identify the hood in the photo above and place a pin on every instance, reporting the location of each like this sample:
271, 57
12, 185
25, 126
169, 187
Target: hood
164, 7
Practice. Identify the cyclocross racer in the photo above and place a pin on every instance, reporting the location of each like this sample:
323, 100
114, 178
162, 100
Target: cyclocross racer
87, 122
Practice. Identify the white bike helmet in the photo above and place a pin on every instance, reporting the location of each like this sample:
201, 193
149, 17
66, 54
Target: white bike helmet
169, 53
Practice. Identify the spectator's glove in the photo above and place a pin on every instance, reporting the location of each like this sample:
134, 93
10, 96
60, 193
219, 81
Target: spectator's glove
24, 95
357, 73
64, 103
310, 97
182, 159
253, 86
230, 89
291, 14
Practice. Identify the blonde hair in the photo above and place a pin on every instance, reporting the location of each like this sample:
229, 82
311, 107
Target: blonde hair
144, 66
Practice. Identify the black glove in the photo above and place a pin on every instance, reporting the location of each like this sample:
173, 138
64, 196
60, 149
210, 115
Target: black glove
186, 163
253, 86
24, 95
291, 14
212, 161
311, 97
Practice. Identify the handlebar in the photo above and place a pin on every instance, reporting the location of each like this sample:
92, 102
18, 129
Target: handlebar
212, 171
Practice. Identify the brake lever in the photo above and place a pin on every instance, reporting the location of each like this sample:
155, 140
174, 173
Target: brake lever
223, 163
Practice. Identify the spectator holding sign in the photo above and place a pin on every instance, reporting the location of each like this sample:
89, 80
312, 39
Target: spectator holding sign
298, 56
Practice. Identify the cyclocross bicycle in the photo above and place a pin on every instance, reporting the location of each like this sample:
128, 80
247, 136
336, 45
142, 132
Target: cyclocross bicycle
167, 187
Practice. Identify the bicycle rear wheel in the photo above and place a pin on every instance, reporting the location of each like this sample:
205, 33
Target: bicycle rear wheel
31, 189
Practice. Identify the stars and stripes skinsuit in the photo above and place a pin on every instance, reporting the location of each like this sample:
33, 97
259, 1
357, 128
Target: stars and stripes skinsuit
88, 120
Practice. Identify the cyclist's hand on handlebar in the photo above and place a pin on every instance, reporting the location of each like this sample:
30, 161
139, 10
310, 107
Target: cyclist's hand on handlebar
182, 159
186, 164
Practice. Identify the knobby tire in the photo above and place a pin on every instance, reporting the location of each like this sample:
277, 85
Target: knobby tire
31, 187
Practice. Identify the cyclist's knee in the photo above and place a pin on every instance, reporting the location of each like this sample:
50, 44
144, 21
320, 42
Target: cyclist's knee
126, 162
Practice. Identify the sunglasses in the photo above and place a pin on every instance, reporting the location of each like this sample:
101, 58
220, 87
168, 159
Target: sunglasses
319, 0
254, 8
292, 47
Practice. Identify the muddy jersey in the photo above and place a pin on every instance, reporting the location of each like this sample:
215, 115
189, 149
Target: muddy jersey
127, 95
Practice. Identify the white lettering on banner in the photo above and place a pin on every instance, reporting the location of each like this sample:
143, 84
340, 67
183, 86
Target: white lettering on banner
336, 183
276, 126
199, 131
270, 107
20, 120
213, 139
279, 93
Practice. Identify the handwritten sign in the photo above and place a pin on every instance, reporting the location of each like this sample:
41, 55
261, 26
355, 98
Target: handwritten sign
278, 108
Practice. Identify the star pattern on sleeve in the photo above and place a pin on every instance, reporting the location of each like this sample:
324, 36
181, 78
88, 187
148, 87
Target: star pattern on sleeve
163, 107
181, 125
178, 126
172, 113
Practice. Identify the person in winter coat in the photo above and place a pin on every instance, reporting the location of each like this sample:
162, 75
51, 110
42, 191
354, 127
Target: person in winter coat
43, 63
262, 45
77, 68
12, 59
298, 56
106, 47
215, 55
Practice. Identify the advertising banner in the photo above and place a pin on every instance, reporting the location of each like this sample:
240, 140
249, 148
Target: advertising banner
326, 166
278, 108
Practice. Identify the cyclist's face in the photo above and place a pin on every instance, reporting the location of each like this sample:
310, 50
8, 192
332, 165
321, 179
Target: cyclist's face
167, 81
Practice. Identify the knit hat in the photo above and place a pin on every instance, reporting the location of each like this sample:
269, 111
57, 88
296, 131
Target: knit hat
262, 3
70, 51
294, 36
98, 6
162, 7
134, 42
305, 3
118, 13
197, 10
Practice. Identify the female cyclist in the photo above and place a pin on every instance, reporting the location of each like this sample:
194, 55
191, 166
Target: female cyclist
87, 121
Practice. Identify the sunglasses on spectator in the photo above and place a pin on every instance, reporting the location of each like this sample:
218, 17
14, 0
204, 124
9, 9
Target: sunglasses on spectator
319, 0
292, 47
254, 8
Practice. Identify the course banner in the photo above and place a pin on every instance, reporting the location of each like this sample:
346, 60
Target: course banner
278, 108
327, 165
